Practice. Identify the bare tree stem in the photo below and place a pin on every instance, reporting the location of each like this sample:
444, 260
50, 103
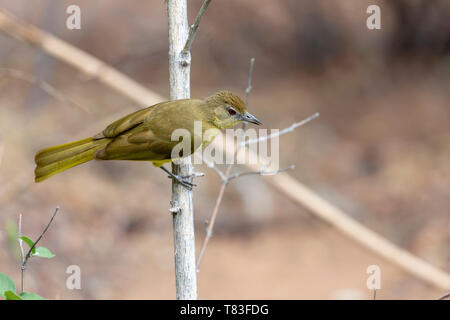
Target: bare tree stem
182, 198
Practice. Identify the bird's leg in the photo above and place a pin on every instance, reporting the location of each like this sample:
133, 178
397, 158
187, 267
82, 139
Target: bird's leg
180, 179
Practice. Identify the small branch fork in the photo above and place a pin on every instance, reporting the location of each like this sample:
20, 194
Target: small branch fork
228, 176
25, 257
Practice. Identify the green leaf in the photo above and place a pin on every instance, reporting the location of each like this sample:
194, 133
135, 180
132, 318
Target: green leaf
29, 242
30, 296
6, 284
43, 252
9, 295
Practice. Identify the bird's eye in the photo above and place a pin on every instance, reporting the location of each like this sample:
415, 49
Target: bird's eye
231, 111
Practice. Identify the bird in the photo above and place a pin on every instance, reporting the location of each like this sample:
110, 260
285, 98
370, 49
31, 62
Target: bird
145, 135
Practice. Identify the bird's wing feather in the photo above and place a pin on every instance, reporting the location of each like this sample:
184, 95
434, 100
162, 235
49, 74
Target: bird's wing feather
126, 123
147, 134
139, 143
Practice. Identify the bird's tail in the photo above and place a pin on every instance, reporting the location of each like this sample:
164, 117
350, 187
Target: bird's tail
53, 160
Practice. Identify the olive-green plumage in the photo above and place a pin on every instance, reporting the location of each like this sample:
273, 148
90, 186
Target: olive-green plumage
146, 134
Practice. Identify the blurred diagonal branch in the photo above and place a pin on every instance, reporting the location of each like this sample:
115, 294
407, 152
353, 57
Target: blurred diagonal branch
282, 182
43, 85
77, 58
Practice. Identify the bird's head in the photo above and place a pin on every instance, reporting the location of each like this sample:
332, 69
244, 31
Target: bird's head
228, 110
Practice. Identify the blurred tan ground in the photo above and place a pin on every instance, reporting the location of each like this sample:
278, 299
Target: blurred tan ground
380, 149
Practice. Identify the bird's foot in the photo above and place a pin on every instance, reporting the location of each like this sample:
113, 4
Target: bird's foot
184, 181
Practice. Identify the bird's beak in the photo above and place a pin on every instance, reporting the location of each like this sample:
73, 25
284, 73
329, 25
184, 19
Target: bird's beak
247, 117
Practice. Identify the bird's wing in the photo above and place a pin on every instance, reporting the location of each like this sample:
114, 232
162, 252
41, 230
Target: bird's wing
126, 123
146, 134
138, 143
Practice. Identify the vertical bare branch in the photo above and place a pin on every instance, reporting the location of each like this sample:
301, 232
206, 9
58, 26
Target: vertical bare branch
249, 87
182, 198
22, 253
250, 76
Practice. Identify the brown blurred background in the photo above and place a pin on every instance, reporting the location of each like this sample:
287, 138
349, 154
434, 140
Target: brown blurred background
380, 149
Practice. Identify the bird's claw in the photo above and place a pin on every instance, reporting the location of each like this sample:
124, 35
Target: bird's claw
182, 180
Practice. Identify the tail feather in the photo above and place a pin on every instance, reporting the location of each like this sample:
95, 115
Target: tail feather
53, 160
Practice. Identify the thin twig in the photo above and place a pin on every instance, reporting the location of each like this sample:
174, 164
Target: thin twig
213, 166
44, 86
250, 76
22, 253
445, 296
210, 227
194, 27
281, 132
28, 255
261, 172
225, 177
249, 87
